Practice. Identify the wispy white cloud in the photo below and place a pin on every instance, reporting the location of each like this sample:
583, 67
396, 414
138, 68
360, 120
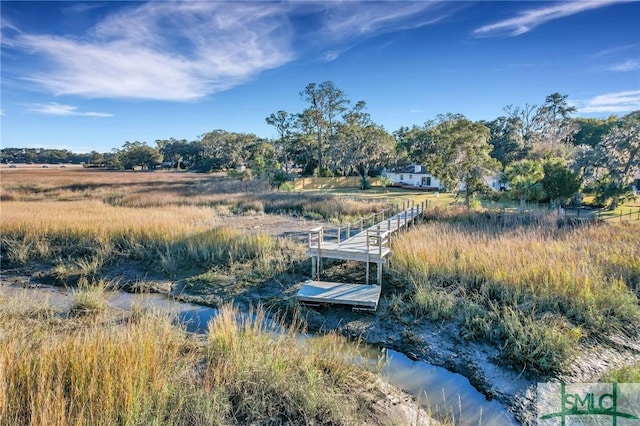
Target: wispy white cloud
332, 55
349, 19
612, 102
615, 50
54, 108
183, 51
628, 65
164, 51
76, 8
532, 18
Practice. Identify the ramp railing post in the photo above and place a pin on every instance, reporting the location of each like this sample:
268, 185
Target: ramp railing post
314, 267
406, 211
366, 279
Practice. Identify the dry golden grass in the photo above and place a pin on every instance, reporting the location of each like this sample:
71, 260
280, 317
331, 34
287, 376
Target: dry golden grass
129, 189
83, 371
536, 288
97, 218
138, 368
151, 190
585, 265
83, 219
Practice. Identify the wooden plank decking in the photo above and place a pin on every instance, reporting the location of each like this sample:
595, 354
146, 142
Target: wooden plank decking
357, 295
369, 245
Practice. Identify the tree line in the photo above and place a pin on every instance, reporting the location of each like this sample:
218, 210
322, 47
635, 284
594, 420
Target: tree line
542, 151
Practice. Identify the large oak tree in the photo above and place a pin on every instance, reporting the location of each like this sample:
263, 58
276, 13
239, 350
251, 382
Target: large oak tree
456, 151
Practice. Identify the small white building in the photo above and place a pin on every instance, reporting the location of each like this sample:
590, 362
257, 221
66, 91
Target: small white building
492, 181
413, 175
417, 176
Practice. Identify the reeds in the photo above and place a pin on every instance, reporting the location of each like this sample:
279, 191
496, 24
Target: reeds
536, 288
629, 374
271, 378
81, 237
166, 190
80, 371
140, 369
83, 220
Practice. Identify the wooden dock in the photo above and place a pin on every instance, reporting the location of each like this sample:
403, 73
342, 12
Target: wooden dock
359, 296
370, 244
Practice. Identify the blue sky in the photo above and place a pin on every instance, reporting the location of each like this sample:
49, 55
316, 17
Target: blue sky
92, 75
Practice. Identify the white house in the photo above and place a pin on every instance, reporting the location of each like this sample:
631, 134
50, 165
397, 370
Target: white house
413, 175
417, 176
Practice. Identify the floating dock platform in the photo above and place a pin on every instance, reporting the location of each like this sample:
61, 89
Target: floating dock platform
364, 297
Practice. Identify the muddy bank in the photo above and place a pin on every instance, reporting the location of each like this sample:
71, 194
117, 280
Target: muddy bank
439, 343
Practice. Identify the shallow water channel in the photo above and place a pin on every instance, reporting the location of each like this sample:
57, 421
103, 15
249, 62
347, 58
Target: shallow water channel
445, 394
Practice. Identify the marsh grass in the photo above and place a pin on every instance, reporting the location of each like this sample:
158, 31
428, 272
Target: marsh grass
271, 379
83, 220
141, 369
80, 239
628, 374
156, 190
75, 371
89, 298
533, 287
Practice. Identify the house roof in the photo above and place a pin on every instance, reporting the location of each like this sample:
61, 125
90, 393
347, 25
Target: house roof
413, 169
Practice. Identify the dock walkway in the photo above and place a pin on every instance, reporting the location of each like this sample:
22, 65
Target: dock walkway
370, 244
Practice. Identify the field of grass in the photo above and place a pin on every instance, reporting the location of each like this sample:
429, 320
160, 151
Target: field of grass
83, 220
149, 190
535, 289
105, 368
85, 366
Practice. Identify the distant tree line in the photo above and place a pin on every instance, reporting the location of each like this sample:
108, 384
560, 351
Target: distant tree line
42, 156
542, 151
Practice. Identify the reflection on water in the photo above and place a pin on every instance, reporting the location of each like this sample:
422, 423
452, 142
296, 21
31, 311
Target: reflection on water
193, 317
449, 395
446, 394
